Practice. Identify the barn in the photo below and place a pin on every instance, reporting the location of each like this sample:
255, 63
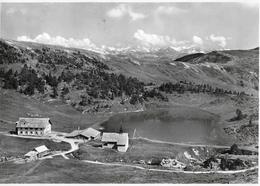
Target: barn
37, 152
33, 126
91, 133
42, 151
118, 141
75, 134
87, 134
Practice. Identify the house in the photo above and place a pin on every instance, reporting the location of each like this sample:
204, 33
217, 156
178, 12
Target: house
109, 140
122, 142
41, 151
75, 134
37, 152
33, 126
87, 134
32, 155
91, 133
118, 141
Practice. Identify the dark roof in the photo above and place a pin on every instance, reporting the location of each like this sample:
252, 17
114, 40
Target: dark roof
74, 133
33, 122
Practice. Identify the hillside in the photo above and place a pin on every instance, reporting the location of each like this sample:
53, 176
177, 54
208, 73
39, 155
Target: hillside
236, 70
165, 100
116, 81
75, 77
113, 82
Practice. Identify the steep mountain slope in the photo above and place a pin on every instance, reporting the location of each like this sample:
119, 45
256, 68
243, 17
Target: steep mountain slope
212, 57
190, 57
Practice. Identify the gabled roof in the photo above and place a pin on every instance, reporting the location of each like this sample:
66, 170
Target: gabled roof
109, 137
119, 138
122, 139
33, 122
90, 132
31, 153
40, 149
74, 133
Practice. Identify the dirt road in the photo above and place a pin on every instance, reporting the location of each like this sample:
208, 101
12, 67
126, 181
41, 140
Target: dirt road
73, 143
75, 146
196, 145
173, 171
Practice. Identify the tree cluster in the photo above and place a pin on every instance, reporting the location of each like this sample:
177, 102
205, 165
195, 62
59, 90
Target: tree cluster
103, 85
184, 86
239, 116
230, 164
225, 163
73, 60
27, 80
97, 83
9, 54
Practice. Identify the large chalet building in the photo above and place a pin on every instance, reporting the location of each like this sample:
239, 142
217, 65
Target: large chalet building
33, 126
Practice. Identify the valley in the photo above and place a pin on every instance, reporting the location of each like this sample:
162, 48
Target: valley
179, 108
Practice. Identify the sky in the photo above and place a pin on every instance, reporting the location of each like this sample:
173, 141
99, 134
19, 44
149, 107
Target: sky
89, 25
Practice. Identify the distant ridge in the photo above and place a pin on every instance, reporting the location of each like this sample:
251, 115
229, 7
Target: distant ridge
189, 57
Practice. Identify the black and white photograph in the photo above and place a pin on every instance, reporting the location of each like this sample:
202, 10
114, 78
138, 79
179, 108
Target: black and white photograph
129, 92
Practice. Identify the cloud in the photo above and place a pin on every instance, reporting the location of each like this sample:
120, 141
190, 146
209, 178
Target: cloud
169, 10
220, 40
135, 16
124, 10
118, 11
197, 44
45, 38
142, 40
152, 39
157, 41
197, 40
13, 10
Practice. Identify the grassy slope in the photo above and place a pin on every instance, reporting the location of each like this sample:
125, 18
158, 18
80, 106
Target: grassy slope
241, 66
19, 146
64, 117
14, 105
73, 171
224, 106
143, 150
